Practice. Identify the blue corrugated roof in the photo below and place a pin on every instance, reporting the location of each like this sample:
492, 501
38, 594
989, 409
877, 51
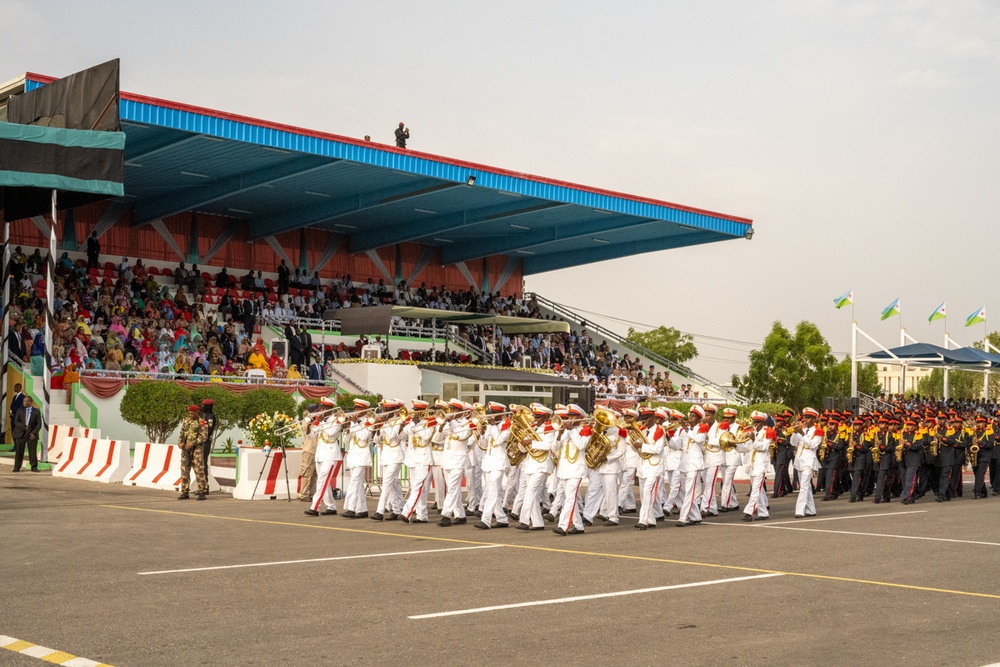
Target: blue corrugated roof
279, 178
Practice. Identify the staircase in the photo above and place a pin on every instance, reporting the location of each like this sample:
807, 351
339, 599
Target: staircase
681, 374
59, 411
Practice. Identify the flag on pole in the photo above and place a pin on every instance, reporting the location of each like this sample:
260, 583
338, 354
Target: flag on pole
891, 309
845, 299
938, 314
976, 317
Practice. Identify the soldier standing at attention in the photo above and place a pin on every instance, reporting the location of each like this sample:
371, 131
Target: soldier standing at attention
192, 436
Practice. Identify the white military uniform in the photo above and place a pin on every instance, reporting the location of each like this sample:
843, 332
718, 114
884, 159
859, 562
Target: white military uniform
537, 468
358, 461
328, 461
572, 470
419, 466
806, 461
454, 458
495, 465
650, 472
757, 469
672, 466
715, 459
391, 452
734, 459
474, 471
602, 487
626, 494
691, 466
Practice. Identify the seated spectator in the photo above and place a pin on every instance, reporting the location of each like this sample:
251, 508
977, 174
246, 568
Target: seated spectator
223, 280
181, 274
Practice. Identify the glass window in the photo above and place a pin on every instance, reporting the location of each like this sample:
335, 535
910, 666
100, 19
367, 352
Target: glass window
468, 386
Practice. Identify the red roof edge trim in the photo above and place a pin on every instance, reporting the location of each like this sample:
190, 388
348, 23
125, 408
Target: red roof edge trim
205, 111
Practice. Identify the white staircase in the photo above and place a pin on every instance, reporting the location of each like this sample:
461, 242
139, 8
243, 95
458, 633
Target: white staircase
59, 411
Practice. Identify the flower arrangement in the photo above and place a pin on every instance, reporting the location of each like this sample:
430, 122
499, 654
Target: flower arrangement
272, 430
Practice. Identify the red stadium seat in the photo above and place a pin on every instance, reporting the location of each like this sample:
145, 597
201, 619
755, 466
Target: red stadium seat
110, 273
41, 284
305, 293
268, 283
108, 265
81, 263
168, 273
93, 272
93, 280
154, 271
107, 282
273, 298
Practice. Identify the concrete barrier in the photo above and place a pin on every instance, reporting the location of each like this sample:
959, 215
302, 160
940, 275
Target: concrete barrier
158, 466
253, 463
95, 460
60, 433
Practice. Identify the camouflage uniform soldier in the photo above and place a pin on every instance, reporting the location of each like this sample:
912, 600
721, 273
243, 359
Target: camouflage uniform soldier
192, 435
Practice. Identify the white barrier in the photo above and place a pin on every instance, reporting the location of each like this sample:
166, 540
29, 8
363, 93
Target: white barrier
59, 434
251, 464
158, 466
94, 460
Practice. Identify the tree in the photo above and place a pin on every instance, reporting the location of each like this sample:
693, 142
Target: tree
962, 384
666, 342
228, 407
794, 370
867, 379
155, 406
265, 401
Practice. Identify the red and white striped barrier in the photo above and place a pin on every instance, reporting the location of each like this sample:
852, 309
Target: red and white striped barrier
59, 434
158, 466
95, 460
252, 463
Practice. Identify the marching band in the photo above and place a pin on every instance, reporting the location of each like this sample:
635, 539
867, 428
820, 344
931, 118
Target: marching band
529, 463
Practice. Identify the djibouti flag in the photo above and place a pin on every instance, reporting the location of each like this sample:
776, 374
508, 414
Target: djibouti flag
845, 299
938, 314
976, 317
891, 309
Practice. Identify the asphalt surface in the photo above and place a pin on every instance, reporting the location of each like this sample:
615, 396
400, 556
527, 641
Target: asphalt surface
87, 570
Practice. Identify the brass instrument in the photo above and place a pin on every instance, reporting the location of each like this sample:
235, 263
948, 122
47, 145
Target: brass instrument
823, 446
851, 442
974, 451
599, 446
935, 445
876, 451
522, 427
899, 447
728, 441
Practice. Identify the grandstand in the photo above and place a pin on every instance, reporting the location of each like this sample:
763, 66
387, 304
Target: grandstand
307, 223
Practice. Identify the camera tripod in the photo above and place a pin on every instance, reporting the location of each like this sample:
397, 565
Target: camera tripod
284, 460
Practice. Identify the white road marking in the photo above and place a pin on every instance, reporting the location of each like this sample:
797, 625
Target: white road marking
838, 518
320, 560
579, 598
898, 537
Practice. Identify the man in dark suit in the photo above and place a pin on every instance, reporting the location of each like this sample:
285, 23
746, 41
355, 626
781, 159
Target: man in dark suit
307, 347
27, 424
15, 343
250, 312
17, 402
295, 345
93, 251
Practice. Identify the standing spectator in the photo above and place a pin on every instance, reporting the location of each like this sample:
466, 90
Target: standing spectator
93, 251
402, 134
27, 424
16, 402
283, 277
250, 312
15, 342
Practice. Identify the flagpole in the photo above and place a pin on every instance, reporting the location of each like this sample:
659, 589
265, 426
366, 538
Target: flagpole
947, 337
854, 361
986, 373
902, 341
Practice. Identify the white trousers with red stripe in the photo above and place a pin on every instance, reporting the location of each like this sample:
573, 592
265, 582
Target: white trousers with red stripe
758, 497
570, 516
729, 498
416, 502
708, 502
647, 498
354, 499
492, 492
326, 479
690, 511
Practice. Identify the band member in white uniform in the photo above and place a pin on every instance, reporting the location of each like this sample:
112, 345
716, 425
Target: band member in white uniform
651, 469
626, 494
537, 467
391, 441
457, 433
734, 459
358, 461
806, 440
418, 463
572, 469
474, 471
555, 488
672, 463
692, 465
495, 465
328, 461
715, 459
758, 466
438, 488
602, 484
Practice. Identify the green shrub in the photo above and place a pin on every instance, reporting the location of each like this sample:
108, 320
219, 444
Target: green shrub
346, 401
155, 406
264, 401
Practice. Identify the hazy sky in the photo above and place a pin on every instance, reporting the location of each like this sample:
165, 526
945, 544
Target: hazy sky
861, 137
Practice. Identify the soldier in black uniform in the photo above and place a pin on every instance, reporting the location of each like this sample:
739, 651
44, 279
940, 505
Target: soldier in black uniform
886, 444
783, 453
861, 466
913, 458
951, 443
984, 437
835, 447
965, 440
995, 463
208, 416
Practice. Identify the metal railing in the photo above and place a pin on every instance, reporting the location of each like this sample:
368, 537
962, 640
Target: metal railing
208, 379
869, 403
682, 370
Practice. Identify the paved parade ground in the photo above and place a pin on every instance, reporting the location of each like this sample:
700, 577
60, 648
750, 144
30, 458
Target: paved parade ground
128, 576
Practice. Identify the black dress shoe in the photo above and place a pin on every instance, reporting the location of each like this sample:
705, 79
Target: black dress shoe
444, 522
548, 516
682, 524
329, 512
460, 521
35, 470
418, 520
513, 516
763, 518
748, 518
601, 517
348, 514
640, 526
588, 523
361, 515
377, 517
559, 531
311, 513
502, 525
404, 518
522, 526
392, 517
481, 526
611, 524
651, 525
574, 531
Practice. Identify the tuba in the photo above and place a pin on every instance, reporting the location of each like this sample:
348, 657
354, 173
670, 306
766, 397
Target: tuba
599, 446
728, 441
522, 427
